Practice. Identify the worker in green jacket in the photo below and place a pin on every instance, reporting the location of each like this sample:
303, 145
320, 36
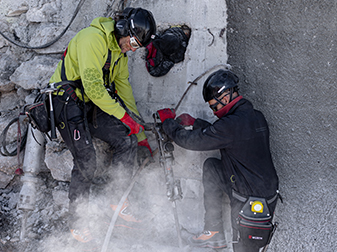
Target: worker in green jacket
94, 69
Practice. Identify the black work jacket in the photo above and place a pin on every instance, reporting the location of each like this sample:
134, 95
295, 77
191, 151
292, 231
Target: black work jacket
242, 136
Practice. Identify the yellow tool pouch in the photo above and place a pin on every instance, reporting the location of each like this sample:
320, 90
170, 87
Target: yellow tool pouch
255, 222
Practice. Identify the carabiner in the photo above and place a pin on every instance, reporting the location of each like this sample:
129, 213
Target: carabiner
77, 135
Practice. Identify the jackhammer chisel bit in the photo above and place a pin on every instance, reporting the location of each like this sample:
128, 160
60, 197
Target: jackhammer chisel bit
166, 159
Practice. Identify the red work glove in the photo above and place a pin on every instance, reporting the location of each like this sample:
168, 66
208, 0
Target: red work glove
166, 113
185, 120
143, 152
134, 127
146, 144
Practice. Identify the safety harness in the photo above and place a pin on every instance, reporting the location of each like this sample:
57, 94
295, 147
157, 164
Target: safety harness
68, 87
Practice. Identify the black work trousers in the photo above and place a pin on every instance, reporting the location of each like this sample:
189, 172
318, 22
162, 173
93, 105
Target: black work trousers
215, 184
70, 123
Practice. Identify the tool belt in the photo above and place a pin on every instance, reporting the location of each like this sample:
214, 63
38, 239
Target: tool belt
38, 113
254, 221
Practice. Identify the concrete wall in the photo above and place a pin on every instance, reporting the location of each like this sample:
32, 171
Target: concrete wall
207, 48
285, 54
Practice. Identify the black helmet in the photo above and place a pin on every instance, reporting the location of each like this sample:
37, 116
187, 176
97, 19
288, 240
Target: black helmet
217, 83
137, 22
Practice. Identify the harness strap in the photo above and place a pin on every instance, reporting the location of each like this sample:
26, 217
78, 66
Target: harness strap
110, 87
107, 63
244, 198
63, 69
69, 89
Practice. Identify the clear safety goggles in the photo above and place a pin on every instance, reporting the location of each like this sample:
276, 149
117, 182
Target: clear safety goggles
134, 42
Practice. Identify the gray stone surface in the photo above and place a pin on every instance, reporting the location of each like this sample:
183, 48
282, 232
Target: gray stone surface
40, 69
285, 55
58, 160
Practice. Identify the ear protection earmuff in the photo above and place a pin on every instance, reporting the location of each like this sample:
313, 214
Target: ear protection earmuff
122, 26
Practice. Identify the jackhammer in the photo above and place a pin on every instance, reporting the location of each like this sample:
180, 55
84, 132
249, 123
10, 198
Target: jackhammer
166, 160
31, 166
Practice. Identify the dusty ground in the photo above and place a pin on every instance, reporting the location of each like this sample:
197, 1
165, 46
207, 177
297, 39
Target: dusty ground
47, 219
47, 230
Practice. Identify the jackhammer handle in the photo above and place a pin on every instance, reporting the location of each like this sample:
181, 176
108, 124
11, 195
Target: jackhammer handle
52, 123
52, 118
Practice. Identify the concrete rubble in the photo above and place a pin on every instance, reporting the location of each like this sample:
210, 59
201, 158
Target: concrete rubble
24, 71
285, 55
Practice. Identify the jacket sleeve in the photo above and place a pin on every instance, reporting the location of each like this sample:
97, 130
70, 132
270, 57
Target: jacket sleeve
200, 123
124, 89
211, 137
91, 53
123, 86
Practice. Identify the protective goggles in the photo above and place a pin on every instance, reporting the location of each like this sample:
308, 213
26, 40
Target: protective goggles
214, 106
134, 42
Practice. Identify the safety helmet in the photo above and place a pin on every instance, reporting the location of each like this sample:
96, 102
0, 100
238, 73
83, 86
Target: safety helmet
217, 83
136, 22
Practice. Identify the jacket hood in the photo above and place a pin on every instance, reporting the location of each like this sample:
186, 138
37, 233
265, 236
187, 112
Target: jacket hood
107, 26
104, 24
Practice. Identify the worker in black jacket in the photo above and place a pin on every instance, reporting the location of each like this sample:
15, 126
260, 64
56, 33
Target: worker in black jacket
245, 169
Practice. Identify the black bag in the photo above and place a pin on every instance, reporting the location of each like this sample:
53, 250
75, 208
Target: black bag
255, 222
38, 113
167, 49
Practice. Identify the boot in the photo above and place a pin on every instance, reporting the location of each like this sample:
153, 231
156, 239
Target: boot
209, 239
125, 212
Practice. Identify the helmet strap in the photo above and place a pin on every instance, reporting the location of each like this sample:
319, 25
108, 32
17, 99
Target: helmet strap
223, 111
231, 95
219, 101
